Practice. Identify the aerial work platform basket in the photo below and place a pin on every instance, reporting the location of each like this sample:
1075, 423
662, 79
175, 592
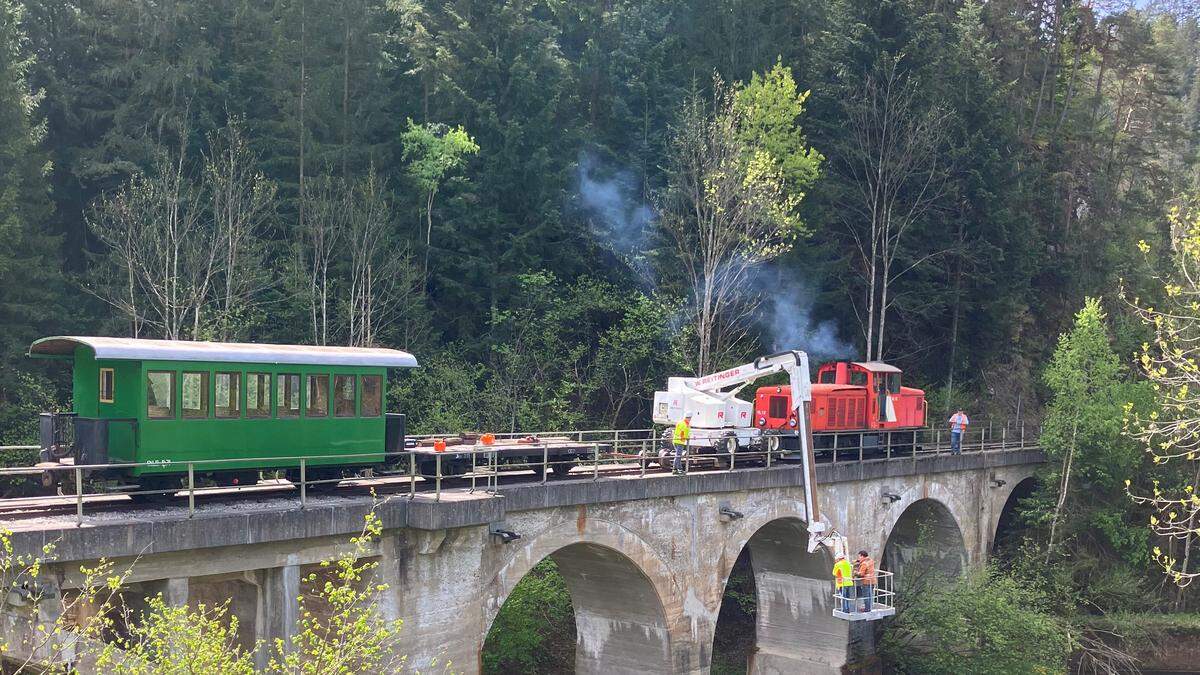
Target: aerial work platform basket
865, 602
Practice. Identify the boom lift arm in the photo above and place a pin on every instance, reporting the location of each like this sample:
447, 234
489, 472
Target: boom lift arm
795, 364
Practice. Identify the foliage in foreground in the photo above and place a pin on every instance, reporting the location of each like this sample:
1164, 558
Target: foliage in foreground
340, 629
983, 623
1171, 434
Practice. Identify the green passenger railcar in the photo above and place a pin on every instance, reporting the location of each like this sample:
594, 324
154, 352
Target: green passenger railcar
162, 404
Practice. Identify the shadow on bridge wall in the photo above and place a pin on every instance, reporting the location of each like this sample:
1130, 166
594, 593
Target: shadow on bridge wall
794, 630
621, 624
926, 544
1008, 525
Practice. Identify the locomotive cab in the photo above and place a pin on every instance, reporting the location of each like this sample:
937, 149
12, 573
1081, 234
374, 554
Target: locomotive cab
847, 396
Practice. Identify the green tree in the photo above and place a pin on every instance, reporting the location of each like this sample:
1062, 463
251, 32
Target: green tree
30, 284
1083, 435
433, 151
771, 108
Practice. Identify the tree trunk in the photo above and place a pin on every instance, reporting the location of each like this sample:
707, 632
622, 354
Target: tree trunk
1063, 487
428, 238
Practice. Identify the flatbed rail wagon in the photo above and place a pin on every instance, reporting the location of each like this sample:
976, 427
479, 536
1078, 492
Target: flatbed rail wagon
458, 456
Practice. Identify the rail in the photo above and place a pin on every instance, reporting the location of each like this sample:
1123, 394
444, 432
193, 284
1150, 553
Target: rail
476, 466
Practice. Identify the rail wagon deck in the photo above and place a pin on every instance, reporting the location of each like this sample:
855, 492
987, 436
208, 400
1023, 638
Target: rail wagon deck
459, 458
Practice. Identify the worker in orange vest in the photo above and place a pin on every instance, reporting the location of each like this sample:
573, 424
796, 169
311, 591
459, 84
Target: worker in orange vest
864, 573
958, 426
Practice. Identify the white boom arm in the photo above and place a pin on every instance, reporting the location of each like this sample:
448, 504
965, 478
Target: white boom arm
795, 364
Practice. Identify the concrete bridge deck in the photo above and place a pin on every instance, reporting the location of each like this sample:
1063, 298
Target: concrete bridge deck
646, 558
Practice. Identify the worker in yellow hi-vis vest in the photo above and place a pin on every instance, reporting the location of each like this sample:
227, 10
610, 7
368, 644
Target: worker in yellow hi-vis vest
843, 579
679, 439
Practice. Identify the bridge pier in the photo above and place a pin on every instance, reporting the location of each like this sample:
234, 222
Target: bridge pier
278, 609
795, 628
175, 591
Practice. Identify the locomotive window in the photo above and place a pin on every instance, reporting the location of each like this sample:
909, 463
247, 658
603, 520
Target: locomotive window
195, 395
827, 377
777, 407
858, 379
160, 394
258, 394
343, 395
106, 385
372, 395
227, 403
318, 396
287, 397
893, 383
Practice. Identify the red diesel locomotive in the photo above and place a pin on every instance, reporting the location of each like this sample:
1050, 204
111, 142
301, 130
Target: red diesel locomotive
855, 403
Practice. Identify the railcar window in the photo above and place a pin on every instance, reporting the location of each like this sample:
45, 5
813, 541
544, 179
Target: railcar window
107, 382
372, 395
343, 395
258, 394
160, 394
226, 390
195, 395
318, 396
287, 396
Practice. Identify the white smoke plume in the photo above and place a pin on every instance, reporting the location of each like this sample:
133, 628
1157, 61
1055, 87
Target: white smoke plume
618, 218
787, 311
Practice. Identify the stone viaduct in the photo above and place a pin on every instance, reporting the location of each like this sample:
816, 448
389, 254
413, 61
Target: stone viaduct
646, 559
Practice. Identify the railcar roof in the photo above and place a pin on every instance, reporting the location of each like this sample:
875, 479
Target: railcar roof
877, 366
133, 349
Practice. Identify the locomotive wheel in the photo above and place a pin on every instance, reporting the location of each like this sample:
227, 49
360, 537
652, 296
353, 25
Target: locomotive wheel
773, 443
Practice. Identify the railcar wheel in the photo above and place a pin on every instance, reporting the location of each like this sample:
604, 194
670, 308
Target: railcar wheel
156, 490
324, 480
562, 467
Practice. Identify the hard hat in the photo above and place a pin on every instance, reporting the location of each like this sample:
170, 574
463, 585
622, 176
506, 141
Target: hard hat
687, 416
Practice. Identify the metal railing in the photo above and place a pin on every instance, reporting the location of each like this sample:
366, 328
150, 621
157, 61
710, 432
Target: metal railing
863, 601
587, 455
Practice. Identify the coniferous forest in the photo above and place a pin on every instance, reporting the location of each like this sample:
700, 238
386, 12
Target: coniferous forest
495, 186
557, 204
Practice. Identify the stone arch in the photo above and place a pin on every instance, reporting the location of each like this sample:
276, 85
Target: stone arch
617, 584
795, 630
1006, 514
925, 538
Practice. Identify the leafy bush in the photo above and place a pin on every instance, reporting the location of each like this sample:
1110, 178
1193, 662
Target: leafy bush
535, 629
18, 486
982, 623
